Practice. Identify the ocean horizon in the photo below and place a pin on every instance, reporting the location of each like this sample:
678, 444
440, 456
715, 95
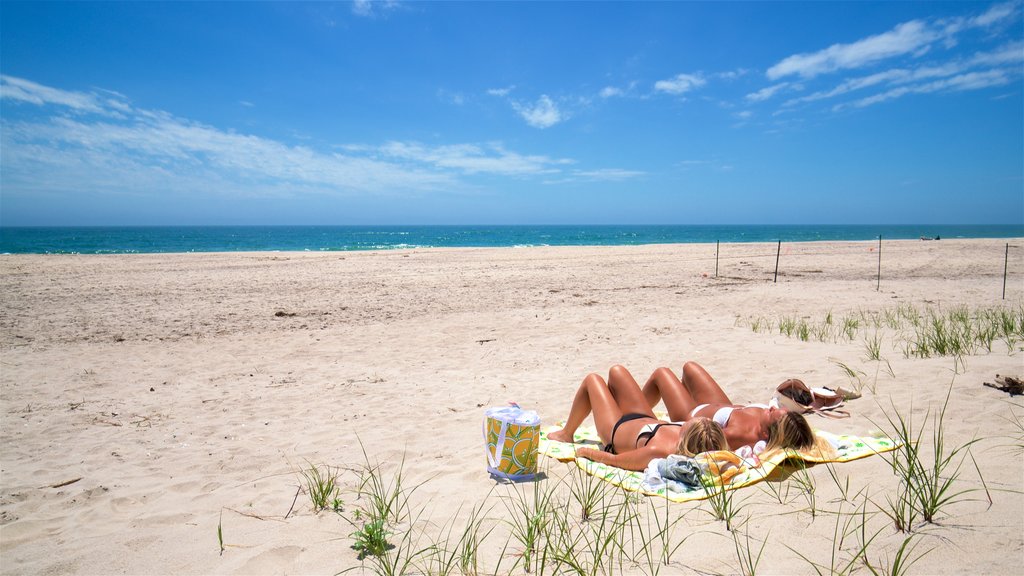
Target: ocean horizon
311, 238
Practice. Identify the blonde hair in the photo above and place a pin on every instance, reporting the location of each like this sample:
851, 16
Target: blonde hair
791, 430
701, 435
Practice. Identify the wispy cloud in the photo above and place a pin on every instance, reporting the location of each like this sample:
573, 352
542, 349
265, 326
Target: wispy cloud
609, 174
907, 38
501, 92
97, 142
490, 158
996, 14
610, 92
374, 8
541, 114
601, 175
959, 83
1010, 54
911, 58
766, 93
733, 74
680, 84
914, 38
27, 91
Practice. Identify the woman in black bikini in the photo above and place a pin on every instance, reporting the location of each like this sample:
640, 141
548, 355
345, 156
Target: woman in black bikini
633, 436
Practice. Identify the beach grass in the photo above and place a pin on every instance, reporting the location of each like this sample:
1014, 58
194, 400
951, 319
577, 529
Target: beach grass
956, 330
386, 525
547, 533
928, 477
746, 558
530, 514
843, 559
322, 487
901, 561
721, 502
449, 554
220, 531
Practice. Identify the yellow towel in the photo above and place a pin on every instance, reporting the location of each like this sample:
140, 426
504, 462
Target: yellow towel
728, 474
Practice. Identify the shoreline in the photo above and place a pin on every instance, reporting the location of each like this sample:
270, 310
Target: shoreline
332, 239
655, 245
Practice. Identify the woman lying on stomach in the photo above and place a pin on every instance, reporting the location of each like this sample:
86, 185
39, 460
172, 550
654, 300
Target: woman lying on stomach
633, 436
697, 395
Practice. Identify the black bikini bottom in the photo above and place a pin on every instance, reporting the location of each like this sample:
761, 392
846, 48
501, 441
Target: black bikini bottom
610, 447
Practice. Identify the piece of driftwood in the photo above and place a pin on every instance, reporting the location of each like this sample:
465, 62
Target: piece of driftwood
65, 483
1009, 384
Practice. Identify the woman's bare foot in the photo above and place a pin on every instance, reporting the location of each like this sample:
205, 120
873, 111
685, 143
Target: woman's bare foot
561, 436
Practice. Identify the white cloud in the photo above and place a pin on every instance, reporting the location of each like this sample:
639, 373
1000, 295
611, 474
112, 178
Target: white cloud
995, 14
609, 174
456, 98
502, 92
105, 145
907, 38
733, 74
959, 83
373, 8
600, 175
1011, 53
766, 93
913, 38
853, 84
610, 92
474, 158
542, 114
680, 84
32, 93
1008, 54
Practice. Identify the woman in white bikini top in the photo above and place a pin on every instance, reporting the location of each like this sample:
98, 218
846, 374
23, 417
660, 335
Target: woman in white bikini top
697, 394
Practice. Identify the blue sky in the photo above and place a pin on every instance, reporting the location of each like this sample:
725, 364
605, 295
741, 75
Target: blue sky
503, 113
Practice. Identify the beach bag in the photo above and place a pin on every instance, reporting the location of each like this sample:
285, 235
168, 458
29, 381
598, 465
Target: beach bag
511, 438
795, 396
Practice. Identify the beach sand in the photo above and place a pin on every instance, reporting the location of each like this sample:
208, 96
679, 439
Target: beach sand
185, 392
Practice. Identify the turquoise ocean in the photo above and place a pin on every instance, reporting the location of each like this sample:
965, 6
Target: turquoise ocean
162, 239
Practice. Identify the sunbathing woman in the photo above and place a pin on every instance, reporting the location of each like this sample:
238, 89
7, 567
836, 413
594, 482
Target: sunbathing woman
698, 395
631, 433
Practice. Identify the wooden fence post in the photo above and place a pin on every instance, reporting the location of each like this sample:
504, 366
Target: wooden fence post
717, 242
1006, 262
878, 284
777, 252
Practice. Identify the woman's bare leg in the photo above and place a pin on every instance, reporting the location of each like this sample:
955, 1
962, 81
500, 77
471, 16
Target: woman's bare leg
702, 386
593, 396
663, 385
627, 392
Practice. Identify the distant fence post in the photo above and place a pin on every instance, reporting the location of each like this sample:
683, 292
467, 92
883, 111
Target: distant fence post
1006, 262
717, 242
777, 252
878, 284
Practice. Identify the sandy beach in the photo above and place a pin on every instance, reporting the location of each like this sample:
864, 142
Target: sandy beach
149, 399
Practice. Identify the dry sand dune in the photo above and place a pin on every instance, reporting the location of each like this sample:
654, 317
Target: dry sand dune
183, 391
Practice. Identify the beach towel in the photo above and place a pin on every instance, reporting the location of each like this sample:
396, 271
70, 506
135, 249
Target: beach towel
846, 449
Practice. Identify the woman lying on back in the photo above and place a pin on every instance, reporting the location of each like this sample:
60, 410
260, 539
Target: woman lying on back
633, 436
698, 395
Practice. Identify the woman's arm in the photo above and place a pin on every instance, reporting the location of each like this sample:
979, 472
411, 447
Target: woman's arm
633, 460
